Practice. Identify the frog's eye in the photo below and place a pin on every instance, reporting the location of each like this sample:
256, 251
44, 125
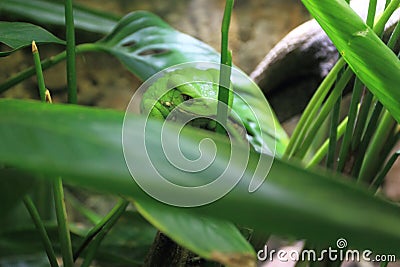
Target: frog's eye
186, 97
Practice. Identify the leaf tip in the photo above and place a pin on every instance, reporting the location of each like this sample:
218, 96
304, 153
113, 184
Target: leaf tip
34, 47
48, 96
234, 259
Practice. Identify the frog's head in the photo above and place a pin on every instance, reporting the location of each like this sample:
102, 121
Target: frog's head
187, 91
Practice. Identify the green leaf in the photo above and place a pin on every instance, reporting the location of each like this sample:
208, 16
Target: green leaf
17, 35
208, 237
146, 44
370, 59
52, 12
84, 146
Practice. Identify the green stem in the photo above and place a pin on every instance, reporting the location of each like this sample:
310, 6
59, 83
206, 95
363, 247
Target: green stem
312, 109
363, 145
63, 231
39, 72
326, 108
362, 118
90, 215
47, 63
71, 65
27, 199
377, 182
369, 165
355, 99
387, 3
379, 27
119, 210
371, 12
224, 92
42, 231
330, 160
100, 225
394, 37
323, 150
226, 21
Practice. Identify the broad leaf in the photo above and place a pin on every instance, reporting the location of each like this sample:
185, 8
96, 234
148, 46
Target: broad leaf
52, 12
84, 146
370, 59
211, 238
17, 35
146, 44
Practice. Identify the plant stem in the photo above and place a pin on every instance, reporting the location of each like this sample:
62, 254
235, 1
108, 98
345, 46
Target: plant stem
371, 13
39, 72
47, 63
366, 102
363, 144
116, 210
379, 27
63, 231
101, 232
71, 66
90, 215
42, 230
369, 165
312, 109
224, 92
323, 150
394, 37
330, 160
226, 21
355, 99
381, 176
30, 206
326, 108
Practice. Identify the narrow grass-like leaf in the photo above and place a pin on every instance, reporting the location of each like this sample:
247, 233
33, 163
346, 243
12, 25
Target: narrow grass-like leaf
17, 35
84, 145
370, 59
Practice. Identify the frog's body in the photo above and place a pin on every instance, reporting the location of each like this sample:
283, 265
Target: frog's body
195, 92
